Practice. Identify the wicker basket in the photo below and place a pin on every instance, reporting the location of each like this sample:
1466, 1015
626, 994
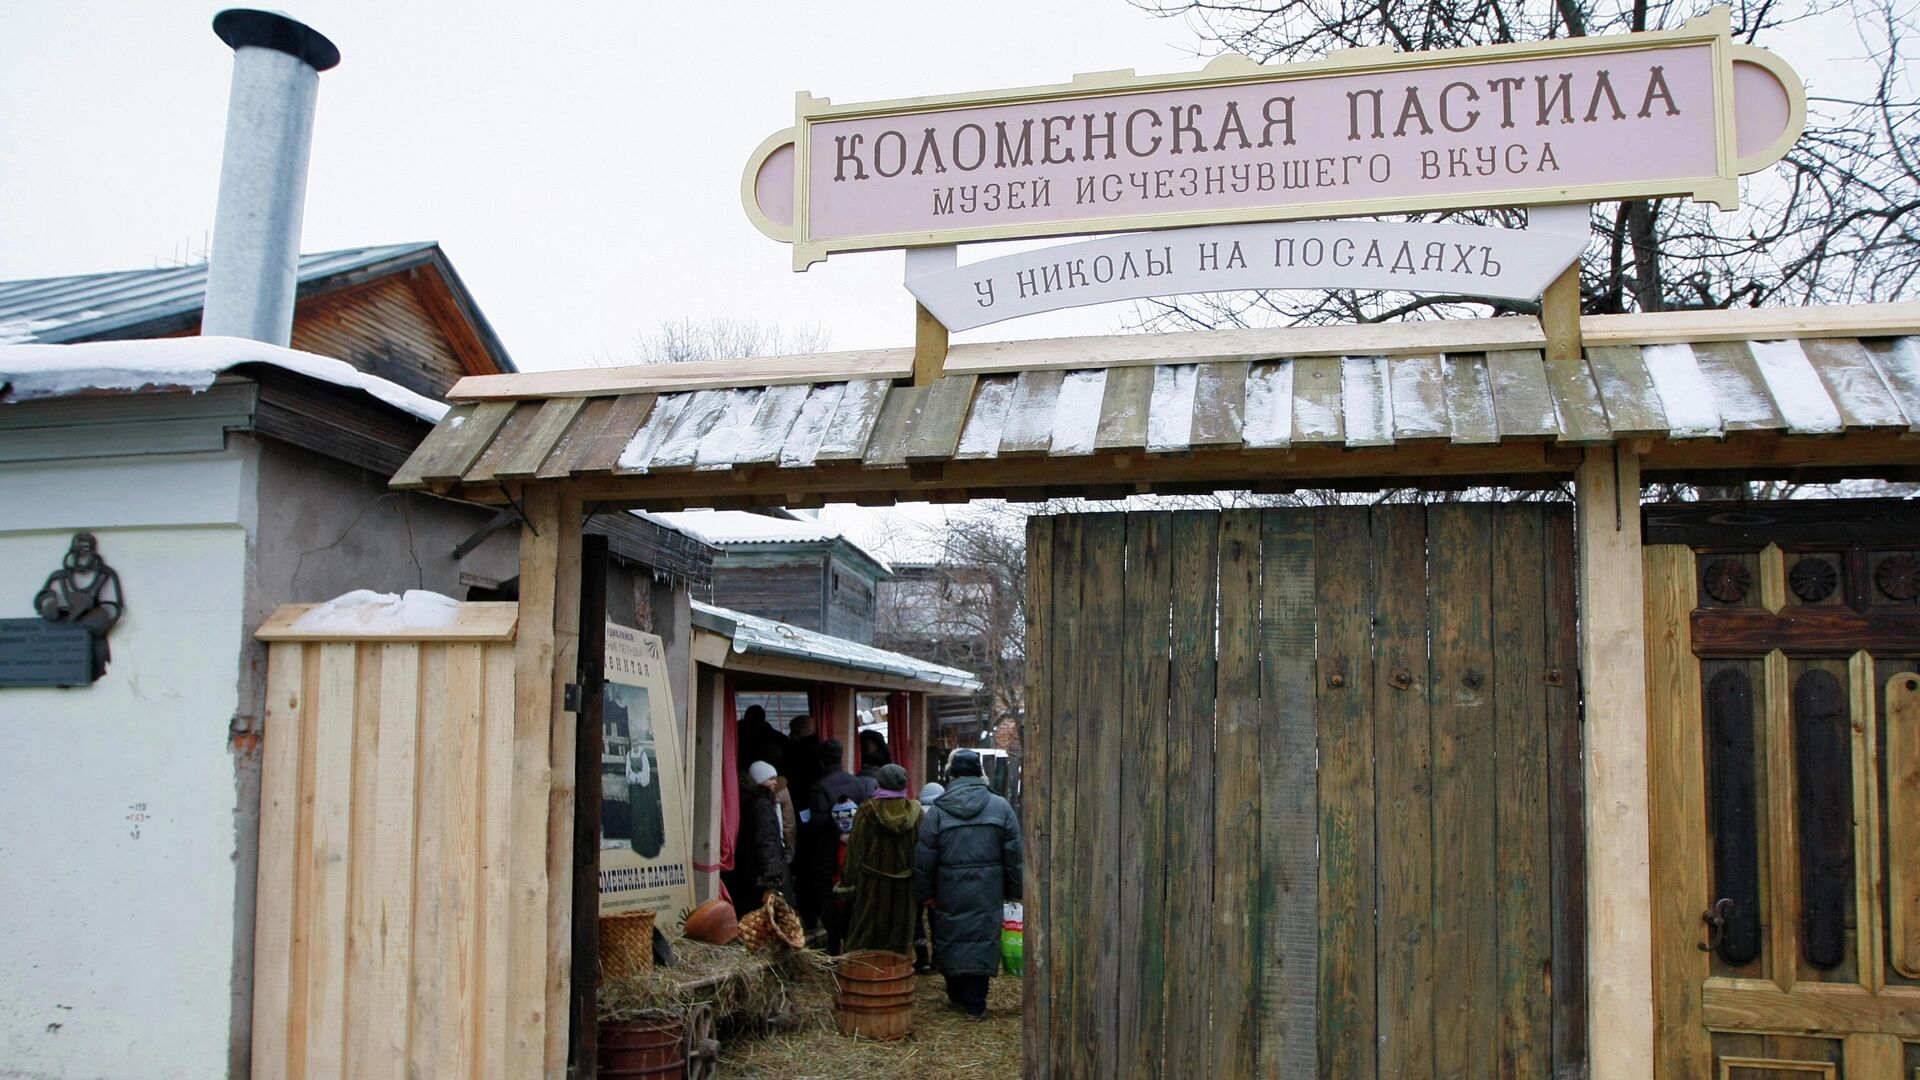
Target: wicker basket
774, 922
626, 944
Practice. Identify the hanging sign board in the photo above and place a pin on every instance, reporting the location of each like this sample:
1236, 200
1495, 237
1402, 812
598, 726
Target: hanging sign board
1416, 256
1681, 112
646, 848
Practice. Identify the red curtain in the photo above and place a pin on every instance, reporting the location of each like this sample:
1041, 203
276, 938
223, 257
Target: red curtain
899, 735
817, 708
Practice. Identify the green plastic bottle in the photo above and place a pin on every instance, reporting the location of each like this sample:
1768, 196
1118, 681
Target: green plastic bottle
1013, 937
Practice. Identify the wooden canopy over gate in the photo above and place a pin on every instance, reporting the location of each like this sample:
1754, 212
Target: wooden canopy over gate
1802, 392
1265, 409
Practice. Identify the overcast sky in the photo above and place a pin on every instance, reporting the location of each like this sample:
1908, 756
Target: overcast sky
581, 165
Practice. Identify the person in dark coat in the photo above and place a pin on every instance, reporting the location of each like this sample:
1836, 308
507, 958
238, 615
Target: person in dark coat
879, 871
968, 865
819, 837
873, 755
759, 852
802, 767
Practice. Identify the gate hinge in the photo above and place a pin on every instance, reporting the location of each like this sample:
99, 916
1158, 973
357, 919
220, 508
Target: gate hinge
570, 698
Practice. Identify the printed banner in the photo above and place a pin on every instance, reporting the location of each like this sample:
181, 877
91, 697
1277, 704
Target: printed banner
646, 849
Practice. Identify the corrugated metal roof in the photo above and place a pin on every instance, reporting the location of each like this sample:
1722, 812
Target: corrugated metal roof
737, 528
83, 306
1122, 424
767, 637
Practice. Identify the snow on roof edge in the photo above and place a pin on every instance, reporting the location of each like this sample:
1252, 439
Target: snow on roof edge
188, 363
766, 635
720, 528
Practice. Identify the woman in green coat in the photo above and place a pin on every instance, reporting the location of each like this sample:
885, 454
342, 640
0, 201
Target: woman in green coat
879, 870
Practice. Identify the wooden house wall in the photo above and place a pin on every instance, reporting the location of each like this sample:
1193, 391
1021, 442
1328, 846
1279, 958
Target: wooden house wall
850, 601
387, 328
790, 588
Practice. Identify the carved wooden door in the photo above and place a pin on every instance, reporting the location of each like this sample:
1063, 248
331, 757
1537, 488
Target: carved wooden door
1784, 709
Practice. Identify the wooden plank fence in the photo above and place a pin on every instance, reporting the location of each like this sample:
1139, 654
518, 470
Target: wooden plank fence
1304, 794
381, 940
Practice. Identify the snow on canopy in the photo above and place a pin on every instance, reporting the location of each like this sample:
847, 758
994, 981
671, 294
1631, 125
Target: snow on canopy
185, 363
364, 611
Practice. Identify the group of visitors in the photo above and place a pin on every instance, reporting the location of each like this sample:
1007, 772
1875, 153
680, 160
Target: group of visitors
863, 860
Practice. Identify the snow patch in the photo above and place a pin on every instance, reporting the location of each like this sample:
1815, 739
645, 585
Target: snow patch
1170, 409
1685, 391
189, 363
364, 611
1796, 387
1363, 389
1076, 415
21, 331
1269, 415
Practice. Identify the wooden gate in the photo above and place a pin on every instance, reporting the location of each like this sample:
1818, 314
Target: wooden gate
1784, 704
397, 935
1304, 794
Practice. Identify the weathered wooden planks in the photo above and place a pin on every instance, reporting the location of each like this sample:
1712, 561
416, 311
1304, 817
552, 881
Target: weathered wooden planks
1236, 800
1143, 836
1339, 871
1287, 946
1462, 699
1188, 986
1566, 785
1036, 777
1344, 689
1065, 909
1521, 860
1097, 947
1404, 776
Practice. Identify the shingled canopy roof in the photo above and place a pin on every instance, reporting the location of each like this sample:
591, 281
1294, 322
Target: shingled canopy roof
1470, 401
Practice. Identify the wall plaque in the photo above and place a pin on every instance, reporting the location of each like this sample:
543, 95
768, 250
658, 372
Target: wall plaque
35, 652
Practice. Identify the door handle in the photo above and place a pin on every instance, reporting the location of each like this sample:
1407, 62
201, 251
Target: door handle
1716, 919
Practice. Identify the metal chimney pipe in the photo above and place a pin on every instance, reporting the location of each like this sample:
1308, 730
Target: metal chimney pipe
254, 270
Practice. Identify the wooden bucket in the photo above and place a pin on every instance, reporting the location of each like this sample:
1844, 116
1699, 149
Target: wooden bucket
643, 1048
875, 998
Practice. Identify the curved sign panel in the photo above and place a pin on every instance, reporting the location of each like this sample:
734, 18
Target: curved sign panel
1671, 113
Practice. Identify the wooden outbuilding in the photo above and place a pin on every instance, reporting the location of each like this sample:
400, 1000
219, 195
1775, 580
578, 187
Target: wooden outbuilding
1403, 789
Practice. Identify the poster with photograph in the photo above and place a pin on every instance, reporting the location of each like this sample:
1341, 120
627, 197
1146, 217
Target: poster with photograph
646, 850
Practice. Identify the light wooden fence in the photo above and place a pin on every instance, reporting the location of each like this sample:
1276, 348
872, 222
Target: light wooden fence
384, 936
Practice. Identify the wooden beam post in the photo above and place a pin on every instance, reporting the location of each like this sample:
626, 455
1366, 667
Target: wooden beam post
929, 333
528, 948
1560, 316
562, 782
1614, 677
584, 1016
929, 347
708, 709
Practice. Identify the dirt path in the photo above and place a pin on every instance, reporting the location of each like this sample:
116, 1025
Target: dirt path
943, 1043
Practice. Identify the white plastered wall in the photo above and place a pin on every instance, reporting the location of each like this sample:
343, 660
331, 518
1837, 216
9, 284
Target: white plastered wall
117, 800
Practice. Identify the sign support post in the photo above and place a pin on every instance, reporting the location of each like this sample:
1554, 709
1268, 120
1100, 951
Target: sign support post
1560, 316
929, 333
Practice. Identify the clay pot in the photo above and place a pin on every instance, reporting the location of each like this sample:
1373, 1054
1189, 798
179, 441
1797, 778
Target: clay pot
713, 922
